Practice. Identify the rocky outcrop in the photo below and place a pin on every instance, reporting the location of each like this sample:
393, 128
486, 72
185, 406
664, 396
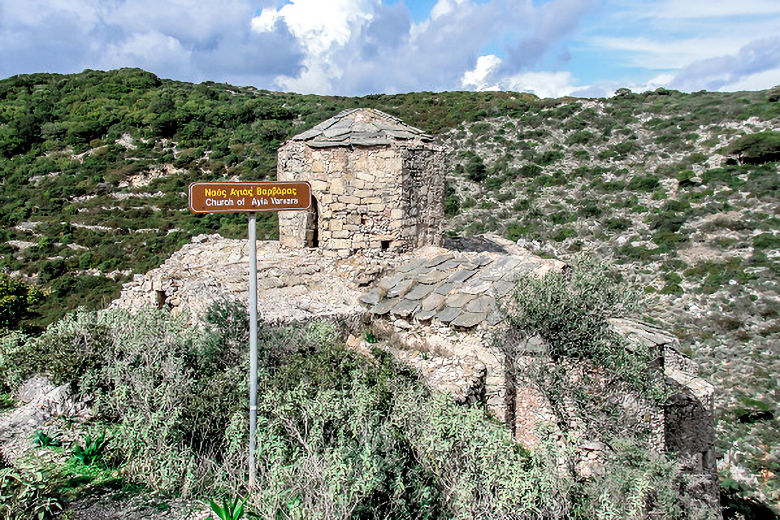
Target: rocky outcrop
42, 403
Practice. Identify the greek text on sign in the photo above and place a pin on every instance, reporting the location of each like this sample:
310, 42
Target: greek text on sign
233, 197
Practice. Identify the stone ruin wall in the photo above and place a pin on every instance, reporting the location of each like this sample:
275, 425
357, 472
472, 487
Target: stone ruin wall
464, 364
301, 284
368, 198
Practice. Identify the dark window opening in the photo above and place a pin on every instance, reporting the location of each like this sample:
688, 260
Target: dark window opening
385, 244
161, 296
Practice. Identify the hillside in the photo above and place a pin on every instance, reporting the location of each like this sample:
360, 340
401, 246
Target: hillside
680, 190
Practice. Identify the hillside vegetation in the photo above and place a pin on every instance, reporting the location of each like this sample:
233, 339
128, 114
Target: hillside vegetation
680, 190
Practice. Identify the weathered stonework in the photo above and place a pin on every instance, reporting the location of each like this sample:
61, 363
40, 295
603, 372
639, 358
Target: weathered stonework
377, 185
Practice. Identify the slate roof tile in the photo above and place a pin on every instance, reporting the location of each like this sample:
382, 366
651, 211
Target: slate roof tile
360, 127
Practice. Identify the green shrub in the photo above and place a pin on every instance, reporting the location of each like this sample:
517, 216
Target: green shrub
25, 494
757, 148
475, 168
17, 300
569, 313
579, 137
563, 233
646, 183
44, 440
91, 451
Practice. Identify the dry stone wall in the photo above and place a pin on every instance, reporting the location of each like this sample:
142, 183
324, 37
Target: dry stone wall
356, 194
422, 199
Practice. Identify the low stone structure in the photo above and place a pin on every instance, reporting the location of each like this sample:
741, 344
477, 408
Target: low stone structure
377, 185
435, 305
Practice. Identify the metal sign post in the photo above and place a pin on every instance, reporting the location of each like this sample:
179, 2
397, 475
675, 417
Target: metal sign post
252, 347
250, 197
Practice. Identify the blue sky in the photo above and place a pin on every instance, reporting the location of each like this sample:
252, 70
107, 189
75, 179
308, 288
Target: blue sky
357, 47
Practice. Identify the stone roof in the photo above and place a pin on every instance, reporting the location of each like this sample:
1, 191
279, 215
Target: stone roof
455, 288
361, 127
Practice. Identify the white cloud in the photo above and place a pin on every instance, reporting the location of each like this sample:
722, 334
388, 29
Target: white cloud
185, 39
698, 9
152, 49
543, 84
759, 60
477, 78
362, 46
486, 75
641, 51
758, 81
321, 27
445, 7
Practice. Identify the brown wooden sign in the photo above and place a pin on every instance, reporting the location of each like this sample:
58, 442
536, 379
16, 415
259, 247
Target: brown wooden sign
235, 197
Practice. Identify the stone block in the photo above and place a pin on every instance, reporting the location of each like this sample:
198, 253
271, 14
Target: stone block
419, 291
432, 302
384, 306
425, 315
468, 320
401, 288
447, 314
461, 276
337, 186
458, 299
405, 307
365, 176
479, 305
319, 186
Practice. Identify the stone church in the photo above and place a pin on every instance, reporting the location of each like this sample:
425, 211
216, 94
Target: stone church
370, 253
377, 185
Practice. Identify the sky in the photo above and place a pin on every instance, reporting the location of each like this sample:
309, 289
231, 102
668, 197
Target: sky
550, 48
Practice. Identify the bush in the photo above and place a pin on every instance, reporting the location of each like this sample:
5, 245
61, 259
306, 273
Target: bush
569, 313
646, 183
757, 148
17, 298
475, 168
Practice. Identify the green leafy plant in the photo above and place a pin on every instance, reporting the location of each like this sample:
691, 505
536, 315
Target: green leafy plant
228, 510
24, 495
370, 338
92, 450
44, 440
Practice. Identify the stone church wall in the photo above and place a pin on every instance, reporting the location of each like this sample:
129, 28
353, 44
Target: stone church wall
367, 199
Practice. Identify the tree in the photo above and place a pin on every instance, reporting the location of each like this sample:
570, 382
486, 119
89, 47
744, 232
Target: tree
16, 299
559, 341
